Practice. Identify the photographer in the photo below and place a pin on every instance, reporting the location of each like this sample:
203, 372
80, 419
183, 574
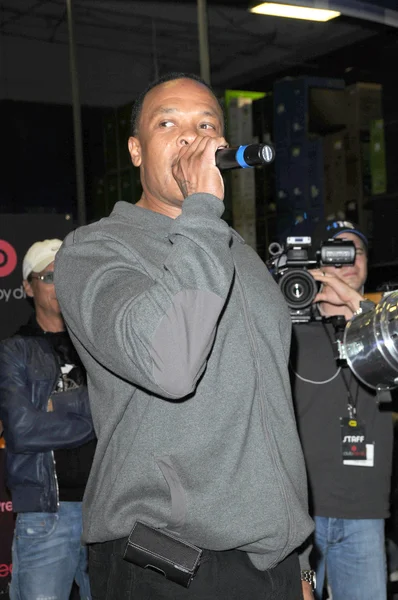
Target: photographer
349, 481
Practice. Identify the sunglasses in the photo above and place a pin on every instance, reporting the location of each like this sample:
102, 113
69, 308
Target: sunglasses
46, 278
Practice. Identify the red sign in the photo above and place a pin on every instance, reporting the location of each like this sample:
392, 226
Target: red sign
8, 258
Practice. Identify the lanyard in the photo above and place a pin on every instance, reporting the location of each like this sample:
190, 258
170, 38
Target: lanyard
352, 399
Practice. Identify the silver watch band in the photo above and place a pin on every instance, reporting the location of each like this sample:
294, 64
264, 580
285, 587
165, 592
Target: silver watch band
310, 577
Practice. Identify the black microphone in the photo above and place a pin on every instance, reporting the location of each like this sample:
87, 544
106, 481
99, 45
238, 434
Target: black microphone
244, 156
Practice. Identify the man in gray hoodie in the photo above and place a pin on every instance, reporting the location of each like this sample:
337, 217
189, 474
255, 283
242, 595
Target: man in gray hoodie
185, 338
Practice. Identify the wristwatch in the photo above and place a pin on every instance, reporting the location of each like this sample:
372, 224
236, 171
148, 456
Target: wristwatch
310, 577
364, 307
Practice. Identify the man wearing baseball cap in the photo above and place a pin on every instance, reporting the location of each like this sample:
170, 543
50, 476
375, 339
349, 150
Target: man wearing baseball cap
347, 440
49, 441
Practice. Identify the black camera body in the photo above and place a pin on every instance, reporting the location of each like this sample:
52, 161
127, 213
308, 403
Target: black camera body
290, 267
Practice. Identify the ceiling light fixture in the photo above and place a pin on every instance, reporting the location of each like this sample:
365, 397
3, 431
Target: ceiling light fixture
293, 11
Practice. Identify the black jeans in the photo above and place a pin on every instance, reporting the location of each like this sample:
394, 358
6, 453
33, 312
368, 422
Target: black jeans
227, 575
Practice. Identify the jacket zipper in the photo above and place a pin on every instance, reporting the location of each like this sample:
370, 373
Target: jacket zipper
52, 451
268, 434
55, 478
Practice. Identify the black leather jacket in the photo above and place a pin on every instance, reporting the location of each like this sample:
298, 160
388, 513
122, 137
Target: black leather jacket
29, 370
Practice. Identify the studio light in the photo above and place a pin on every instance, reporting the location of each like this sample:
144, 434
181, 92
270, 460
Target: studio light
293, 11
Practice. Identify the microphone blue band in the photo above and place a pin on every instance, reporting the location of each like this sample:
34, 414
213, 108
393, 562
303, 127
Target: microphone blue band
240, 158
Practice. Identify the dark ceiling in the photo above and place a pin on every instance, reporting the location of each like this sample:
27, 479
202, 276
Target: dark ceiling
123, 44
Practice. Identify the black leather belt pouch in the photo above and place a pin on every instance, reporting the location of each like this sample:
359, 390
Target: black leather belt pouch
162, 552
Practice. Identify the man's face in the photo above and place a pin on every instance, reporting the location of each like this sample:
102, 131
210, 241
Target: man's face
173, 115
43, 294
354, 275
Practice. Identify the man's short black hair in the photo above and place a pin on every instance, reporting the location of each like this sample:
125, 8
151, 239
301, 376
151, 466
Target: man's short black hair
137, 107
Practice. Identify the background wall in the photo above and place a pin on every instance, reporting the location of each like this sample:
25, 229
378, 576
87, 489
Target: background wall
38, 165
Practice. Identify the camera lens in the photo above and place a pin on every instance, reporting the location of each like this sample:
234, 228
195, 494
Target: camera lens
298, 287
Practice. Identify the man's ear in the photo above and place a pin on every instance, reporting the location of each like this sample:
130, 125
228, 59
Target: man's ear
28, 288
135, 151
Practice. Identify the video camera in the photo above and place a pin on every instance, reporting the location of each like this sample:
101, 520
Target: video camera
290, 265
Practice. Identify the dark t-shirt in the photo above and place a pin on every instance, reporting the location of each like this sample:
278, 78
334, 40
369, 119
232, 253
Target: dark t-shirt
72, 464
337, 490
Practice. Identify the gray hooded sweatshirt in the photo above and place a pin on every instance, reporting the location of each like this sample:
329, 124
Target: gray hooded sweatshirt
185, 337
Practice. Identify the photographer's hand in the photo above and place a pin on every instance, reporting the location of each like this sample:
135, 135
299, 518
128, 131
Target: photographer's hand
335, 291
